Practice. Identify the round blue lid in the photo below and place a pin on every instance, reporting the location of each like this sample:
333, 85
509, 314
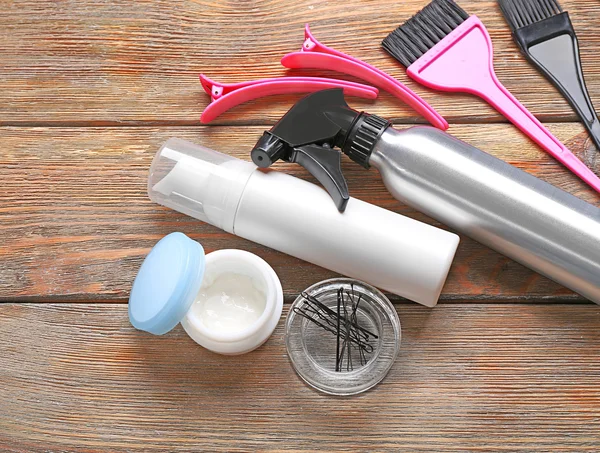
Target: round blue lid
166, 284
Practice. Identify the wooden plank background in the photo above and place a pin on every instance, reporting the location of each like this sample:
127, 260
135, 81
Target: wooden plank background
89, 89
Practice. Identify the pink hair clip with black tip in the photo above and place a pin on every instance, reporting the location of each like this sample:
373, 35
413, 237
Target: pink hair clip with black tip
315, 55
225, 96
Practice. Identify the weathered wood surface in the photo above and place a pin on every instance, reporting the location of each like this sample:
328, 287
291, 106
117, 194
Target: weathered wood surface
89, 90
77, 221
469, 378
97, 62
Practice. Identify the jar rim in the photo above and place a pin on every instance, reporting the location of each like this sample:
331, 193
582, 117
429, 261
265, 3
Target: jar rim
273, 293
317, 373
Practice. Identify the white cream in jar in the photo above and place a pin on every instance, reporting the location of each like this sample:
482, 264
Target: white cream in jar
238, 305
230, 304
228, 301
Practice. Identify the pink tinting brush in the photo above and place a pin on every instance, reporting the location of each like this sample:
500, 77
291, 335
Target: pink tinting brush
446, 49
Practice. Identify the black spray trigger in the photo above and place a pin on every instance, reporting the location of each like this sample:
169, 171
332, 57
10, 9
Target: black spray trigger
326, 166
308, 133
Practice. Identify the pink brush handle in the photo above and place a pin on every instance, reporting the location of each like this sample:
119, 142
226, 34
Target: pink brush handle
227, 96
501, 99
463, 62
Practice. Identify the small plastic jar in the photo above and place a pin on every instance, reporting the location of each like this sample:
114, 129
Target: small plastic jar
342, 346
228, 301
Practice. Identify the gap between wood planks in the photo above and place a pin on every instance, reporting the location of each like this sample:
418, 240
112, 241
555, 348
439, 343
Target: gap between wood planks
495, 300
238, 123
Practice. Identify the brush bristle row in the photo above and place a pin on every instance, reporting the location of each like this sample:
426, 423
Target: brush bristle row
416, 36
521, 13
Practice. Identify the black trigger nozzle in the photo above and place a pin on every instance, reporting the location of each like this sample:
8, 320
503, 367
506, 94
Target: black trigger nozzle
267, 150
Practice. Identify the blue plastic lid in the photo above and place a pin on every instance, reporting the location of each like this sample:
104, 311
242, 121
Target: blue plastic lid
166, 284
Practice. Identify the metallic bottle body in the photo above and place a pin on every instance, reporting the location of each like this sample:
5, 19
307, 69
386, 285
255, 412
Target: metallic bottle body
498, 205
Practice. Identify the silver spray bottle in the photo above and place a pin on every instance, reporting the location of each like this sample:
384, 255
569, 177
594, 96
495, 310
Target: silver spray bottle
509, 210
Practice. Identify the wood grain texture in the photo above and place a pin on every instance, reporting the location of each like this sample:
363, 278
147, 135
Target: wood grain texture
89, 89
76, 220
487, 378
104, 63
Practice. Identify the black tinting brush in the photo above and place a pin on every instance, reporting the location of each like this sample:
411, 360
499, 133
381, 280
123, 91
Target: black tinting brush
546, 37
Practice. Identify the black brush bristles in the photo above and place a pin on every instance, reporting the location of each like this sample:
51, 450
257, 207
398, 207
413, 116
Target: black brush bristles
416, 36
545, 34
521, 13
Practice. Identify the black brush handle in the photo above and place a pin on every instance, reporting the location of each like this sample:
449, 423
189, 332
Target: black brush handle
557, 57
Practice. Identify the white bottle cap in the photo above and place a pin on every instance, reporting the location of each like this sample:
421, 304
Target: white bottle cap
199, 182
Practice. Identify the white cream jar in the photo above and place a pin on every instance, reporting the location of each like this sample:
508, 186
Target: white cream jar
238, 305
228, 301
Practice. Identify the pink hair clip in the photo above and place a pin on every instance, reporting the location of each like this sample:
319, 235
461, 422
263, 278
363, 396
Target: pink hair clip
225, 96
318, 56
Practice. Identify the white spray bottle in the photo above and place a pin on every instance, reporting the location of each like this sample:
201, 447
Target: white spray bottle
395, 253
